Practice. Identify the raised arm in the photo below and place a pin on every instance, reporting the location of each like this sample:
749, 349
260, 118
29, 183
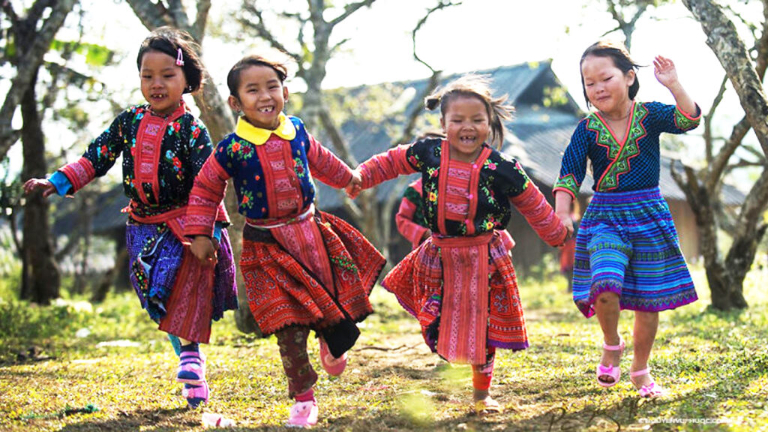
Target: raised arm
666, 73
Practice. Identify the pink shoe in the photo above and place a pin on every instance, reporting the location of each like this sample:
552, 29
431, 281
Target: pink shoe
196, 395
191, 368
610, 370
651, 390
303, 414
334, 366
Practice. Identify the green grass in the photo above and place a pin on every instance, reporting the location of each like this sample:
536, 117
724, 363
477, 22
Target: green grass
714, 365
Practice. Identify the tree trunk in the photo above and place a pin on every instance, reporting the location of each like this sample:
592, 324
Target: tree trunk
42, 274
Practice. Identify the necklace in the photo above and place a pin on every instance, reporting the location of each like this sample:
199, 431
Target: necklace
629, 112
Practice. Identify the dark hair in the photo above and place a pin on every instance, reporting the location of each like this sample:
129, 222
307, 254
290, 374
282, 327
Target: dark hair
617, 52
477, 86
169, 40
233, 77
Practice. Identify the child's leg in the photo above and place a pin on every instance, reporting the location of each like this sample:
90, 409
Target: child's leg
646, 324
293, 352
608, 260
482, 375
301, 377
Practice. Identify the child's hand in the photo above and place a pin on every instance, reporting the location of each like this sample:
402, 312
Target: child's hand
202, 248
36, 183
665, 71
355, 185
565, 218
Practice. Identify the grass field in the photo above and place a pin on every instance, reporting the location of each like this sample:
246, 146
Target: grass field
110, 360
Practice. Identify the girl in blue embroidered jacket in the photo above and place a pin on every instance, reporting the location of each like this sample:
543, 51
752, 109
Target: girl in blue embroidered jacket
627, 252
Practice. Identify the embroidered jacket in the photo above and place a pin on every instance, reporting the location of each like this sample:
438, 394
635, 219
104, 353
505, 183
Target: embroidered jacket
463, 199
272, 173
161, 157
632, 164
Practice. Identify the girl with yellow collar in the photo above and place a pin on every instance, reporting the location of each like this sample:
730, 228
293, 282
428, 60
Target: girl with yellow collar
303, 269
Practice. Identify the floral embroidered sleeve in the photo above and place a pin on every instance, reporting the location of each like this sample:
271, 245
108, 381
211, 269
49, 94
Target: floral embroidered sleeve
573, 168
670, 119
205, 199
326, 167
100, 155
531, 203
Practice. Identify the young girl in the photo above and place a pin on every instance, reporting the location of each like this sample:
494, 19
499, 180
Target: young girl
460, 283
163, 147
627, 251
303, 269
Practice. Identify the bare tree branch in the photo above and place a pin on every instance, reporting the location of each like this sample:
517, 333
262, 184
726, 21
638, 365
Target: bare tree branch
264, 33
349, 10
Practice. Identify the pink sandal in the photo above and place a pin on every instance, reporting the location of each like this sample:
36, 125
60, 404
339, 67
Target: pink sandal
303, 414
651, 390
610, 370
334, 366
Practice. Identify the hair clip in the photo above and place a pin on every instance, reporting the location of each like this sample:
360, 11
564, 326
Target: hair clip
179, 58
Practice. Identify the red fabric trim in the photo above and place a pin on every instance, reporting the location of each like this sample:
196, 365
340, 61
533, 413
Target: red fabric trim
442, 186
205, 200
79, 173
190, 306
149, 143
474, 181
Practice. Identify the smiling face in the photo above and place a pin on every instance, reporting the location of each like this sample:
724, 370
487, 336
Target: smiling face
466, 125
606, 86
260, 96
162, 82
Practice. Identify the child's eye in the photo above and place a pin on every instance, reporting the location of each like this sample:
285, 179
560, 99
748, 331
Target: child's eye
608, 79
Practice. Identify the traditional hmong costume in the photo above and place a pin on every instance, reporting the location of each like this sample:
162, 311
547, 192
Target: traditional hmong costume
161, 157
627, 242
295, 259
460, 283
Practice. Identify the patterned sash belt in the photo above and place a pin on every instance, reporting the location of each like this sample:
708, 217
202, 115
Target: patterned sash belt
267, 224
463, 329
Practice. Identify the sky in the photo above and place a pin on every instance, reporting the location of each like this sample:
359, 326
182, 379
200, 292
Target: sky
476, 35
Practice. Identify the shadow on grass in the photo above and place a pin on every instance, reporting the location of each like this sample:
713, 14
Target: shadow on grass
176, 419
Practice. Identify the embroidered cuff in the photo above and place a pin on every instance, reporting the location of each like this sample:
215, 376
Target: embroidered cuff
61, 183
79, 173
567, 184
685, 121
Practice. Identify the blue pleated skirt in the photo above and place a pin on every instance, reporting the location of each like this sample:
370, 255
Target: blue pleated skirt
627, 244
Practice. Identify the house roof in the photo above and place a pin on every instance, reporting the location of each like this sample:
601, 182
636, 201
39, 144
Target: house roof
538, 134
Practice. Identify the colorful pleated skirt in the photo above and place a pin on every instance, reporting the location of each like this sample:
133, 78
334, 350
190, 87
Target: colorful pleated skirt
300, 273
627, 244
449, 326
173, 287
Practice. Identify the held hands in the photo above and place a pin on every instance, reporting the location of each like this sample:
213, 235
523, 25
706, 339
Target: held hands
36, 184
355, 185
203, 249
565, 218
665, 71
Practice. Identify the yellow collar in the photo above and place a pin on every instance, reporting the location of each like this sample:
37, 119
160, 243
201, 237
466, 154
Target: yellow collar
259, 136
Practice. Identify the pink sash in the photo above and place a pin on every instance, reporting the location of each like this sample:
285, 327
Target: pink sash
464, 315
